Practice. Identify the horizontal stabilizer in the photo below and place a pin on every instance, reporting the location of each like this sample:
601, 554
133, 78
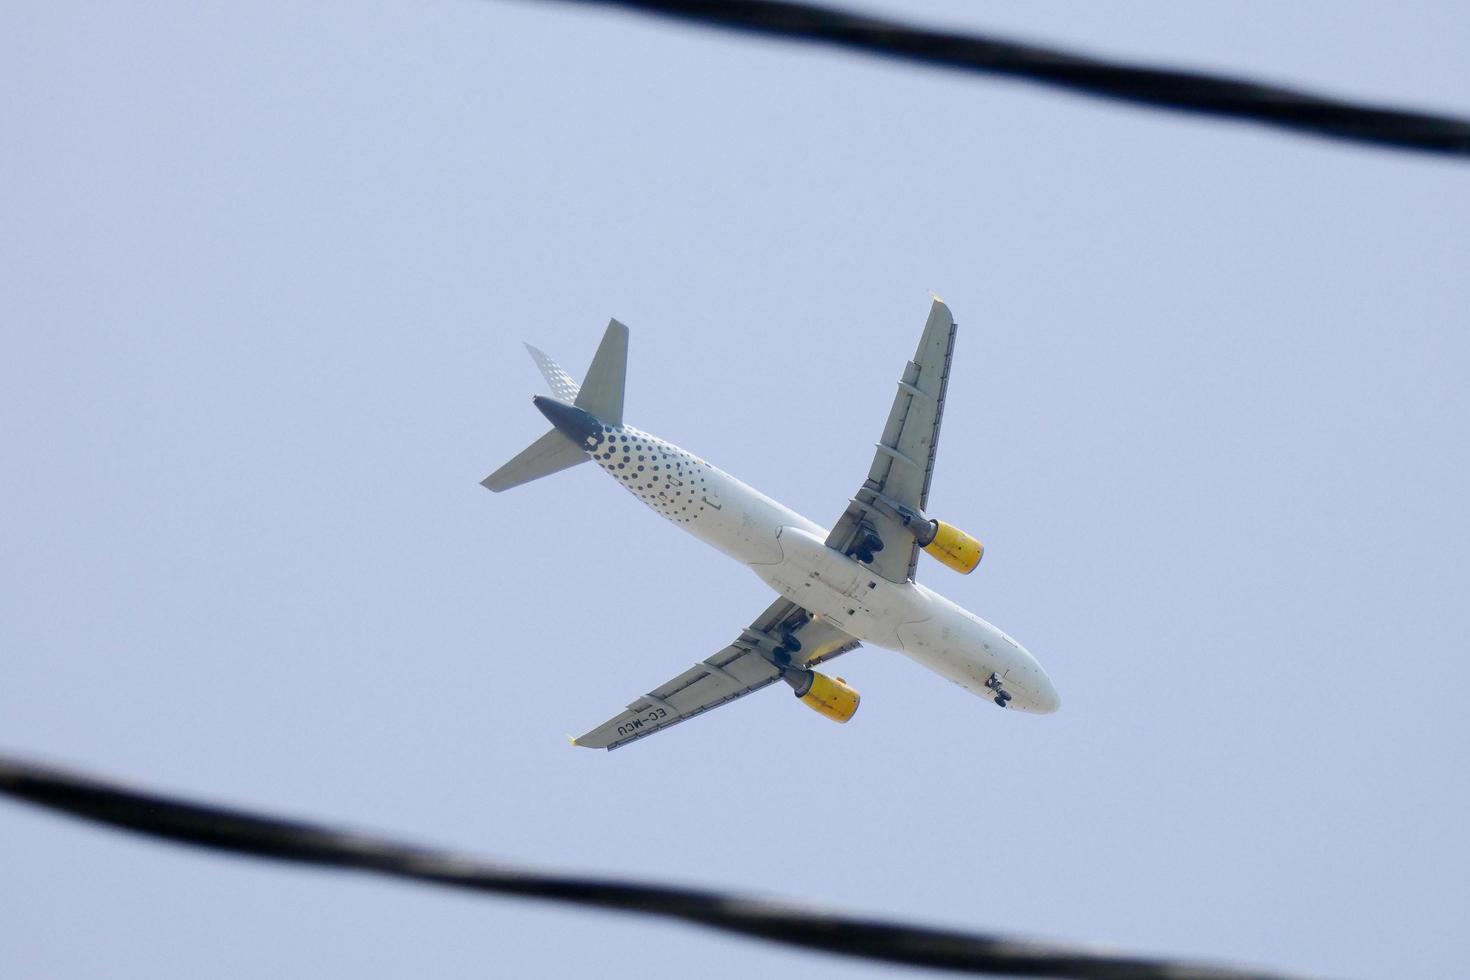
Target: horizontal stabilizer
602, 389
550, 454
562, 385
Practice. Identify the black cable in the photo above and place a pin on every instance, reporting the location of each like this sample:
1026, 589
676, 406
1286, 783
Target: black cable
1188, 91
262, 836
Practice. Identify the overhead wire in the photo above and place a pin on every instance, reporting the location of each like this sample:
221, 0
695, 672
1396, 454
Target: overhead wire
269, 837
1160, 88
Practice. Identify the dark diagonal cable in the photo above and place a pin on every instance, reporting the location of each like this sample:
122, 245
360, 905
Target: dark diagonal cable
1187, 91
241, 832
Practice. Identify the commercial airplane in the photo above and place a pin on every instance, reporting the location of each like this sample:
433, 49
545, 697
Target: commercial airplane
839, 588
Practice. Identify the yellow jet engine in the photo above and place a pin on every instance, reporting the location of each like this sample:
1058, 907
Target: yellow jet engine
951, 546
827, 696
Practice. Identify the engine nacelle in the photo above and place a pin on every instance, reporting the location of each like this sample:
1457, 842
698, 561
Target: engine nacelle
952, 546
827, 696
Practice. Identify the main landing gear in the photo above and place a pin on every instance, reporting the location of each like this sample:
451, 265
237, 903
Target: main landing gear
789, 643
866, 546
1002, 696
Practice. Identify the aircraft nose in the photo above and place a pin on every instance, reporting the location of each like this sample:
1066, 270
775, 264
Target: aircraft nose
1034, 692
1044, 697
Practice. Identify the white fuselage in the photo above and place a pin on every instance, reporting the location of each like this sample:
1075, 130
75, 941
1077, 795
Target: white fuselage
788, 552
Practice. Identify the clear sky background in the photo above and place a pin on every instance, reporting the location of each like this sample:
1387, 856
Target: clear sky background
265, 270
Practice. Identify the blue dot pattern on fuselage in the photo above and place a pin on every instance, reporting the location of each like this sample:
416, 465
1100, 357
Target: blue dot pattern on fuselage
665, 477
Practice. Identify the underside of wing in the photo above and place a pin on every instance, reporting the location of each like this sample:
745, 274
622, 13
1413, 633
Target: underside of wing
746, 665
891, 499
732, 673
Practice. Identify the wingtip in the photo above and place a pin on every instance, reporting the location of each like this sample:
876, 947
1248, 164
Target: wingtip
572, 740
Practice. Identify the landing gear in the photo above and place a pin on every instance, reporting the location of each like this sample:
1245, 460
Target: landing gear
1002, 696
866, 546
782, 653
788, 643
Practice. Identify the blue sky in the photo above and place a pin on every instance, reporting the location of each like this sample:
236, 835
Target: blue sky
267, 270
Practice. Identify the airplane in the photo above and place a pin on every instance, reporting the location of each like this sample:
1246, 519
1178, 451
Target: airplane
838, 588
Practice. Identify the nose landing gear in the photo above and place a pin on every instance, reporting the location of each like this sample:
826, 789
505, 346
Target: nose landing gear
1002, 696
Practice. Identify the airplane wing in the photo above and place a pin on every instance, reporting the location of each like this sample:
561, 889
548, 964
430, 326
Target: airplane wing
737, 670
904, 461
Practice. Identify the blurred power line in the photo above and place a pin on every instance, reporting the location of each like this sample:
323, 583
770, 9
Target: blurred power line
258, 835
1187, 91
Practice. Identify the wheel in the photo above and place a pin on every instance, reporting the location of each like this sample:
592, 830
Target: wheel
782, 655
863, 555
1000, 700
791, 643
1006, 695
873, 543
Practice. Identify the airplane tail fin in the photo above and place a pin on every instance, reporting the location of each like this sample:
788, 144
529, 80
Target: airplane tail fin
550, 454
601, 395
